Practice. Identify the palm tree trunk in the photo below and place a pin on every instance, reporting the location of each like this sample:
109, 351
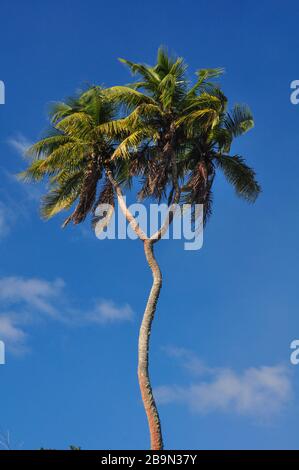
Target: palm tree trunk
148, 316
143, 350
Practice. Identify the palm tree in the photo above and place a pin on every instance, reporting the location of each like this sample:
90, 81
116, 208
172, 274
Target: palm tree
168, 133
175, 137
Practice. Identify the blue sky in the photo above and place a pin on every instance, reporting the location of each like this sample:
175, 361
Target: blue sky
71, 304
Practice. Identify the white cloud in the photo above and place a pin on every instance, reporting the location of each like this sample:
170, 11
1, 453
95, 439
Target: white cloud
16, 207
22, 302
106, 311
26, 301
257, 391
188, 360
20, 143
35, 293
10, 332
33, 192
13, 336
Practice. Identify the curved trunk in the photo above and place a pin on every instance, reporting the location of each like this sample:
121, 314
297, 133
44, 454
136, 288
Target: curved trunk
143, 349
148, 316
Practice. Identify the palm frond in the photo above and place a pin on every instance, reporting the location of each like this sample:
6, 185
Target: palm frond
204, 75
241, 176
199, 119
62, 197
129, 96
120, 128
239, 120
164, 62
148, 73
47, 145
79, 124
133, 141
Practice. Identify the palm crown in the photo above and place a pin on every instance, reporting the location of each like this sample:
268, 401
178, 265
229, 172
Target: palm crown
180, 132
73, 155
170, 133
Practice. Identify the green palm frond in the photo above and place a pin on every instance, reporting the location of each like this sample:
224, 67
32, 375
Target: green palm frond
63, 196
35, 172
60, 110
241, 176
164, 62
168, 89
94, 102
68, 155
148, 73
46, 146
221, 138
206, 118
239, 120
123, 127
128, 96
203, 75
79, 124
205, 100
133, 141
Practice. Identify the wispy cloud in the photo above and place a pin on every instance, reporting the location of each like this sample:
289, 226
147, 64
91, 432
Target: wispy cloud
16, 205
13, 210
13, 336
26, 301
256, 391
33, 293
188, 360
19, 143
31, 192
106, 311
